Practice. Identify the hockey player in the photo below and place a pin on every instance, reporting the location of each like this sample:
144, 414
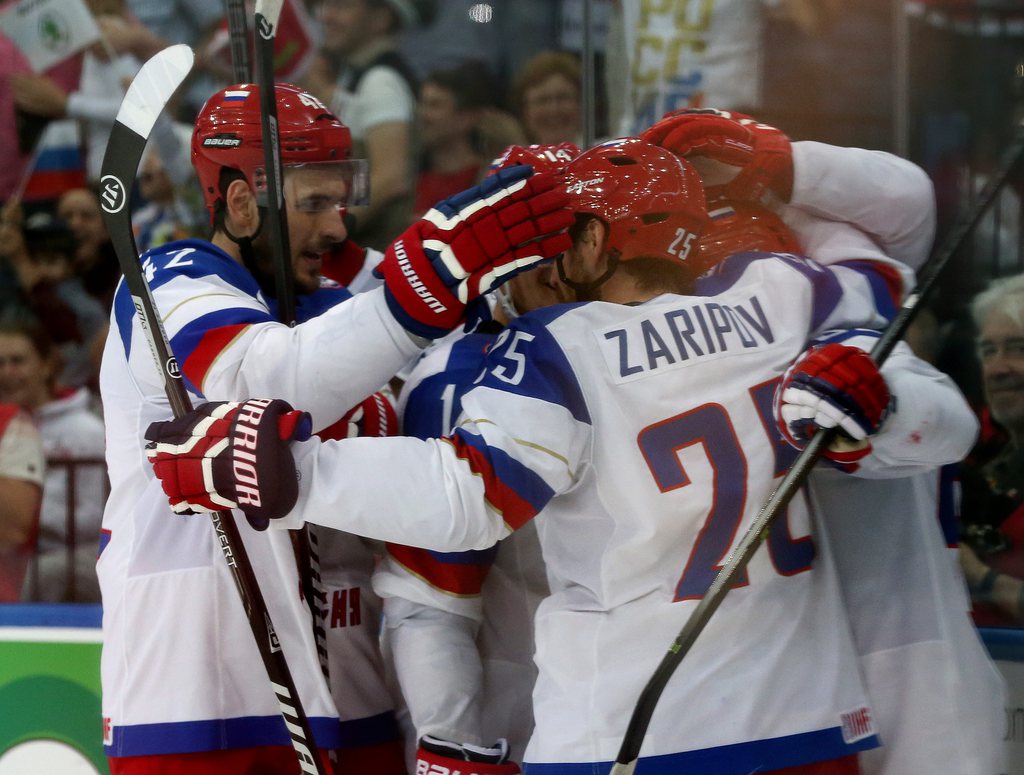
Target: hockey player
477, 605
638, 422
937, 697
184, 689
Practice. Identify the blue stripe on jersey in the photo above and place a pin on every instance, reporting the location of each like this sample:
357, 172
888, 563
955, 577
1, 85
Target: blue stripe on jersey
527, 361
214, 735
737, 759
842, 336
124, 311
949, 503
162, 264
436, 401
188, 338
826, 289
509, 474
881, 290
313, 305
197, 259
467, 557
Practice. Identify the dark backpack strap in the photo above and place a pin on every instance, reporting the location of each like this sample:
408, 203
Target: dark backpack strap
391, 59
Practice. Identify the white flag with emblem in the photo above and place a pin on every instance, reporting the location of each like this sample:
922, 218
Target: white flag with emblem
49, 31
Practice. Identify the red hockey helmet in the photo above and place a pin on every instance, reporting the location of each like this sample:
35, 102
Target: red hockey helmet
228, 134
738, 227
651, 200
543, 158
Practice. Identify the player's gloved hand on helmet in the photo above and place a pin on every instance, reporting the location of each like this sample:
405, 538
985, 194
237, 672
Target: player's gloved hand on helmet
373, 416
833, 386
472, 242
230, 455
436, 755
762, 154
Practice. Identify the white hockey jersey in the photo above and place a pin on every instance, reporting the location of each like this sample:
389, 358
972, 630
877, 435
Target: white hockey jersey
459, 625
180, 670
937, 697
645, 434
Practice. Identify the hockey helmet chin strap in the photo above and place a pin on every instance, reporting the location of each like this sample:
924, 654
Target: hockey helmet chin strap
248, 252
613, 265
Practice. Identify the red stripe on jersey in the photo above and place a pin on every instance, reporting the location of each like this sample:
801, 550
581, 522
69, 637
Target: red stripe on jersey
515, 510
213, 343
461, 579
893, 281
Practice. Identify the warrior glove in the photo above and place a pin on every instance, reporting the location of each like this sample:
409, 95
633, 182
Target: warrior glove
228, 455
829, 386
436, 755
762, 153
472, 242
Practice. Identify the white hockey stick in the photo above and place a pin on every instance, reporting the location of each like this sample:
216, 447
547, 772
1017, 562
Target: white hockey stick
629, 751
149, 92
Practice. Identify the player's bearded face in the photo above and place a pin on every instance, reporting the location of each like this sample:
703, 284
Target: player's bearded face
315, 198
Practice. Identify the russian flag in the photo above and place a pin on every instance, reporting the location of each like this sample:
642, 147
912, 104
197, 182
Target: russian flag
235, 95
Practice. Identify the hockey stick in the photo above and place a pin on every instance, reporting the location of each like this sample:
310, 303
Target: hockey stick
629, 751
304, 541
238, 39
275, 219
145, 100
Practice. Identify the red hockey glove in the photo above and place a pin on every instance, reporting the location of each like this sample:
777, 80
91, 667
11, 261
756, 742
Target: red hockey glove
762, 153
469, 244
228, 455
828, 386
373, 416
439, 756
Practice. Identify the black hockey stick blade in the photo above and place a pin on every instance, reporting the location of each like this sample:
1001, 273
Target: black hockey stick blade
629, 751
143, 103
238, 40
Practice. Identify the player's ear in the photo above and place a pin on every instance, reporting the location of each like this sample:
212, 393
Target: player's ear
592, 237
242, 210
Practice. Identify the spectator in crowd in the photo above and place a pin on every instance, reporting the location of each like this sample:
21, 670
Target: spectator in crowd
992, 551
548, 98
20, 132
151, 25
450, 109
172, 211
96, 100
70, 430
21, 482
364, 80
40, 287
95, 259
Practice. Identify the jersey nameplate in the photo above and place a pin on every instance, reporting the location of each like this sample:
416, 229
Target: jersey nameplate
693, 333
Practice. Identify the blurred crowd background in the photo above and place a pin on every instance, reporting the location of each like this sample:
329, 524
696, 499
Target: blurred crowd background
433, 90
